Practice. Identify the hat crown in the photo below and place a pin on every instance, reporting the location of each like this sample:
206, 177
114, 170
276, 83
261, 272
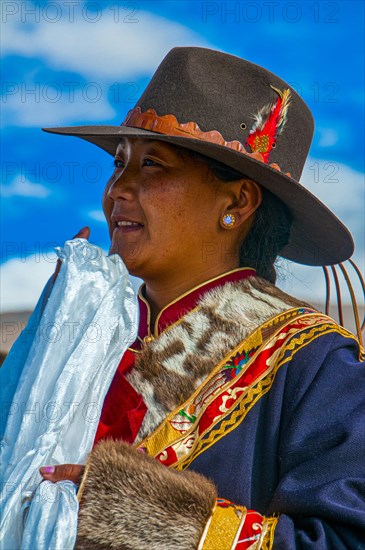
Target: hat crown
222, 92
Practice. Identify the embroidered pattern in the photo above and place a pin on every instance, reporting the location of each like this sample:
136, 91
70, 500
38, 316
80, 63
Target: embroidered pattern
234, 527
254, 394
233, 387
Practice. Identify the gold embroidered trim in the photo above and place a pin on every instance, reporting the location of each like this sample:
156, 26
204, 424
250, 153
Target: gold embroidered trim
268, 531
206, 528
224, 527
239, 529
140, 295
134, 350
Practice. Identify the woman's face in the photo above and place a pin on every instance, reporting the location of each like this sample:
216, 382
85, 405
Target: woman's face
174, 204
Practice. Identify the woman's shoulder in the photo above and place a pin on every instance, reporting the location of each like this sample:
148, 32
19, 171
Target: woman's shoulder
251, 301
252, 292
257, 304
319, 324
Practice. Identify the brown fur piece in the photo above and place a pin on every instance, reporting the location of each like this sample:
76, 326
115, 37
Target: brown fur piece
132, 502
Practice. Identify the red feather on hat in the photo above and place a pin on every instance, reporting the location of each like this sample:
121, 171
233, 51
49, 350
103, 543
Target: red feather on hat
269, 123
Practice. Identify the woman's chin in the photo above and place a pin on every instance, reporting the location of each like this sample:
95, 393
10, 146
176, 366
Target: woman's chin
130, 260
126, 251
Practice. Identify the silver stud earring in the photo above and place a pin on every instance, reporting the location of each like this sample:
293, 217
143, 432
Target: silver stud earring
228, 220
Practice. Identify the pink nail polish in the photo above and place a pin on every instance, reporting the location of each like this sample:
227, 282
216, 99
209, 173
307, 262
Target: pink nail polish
48, 469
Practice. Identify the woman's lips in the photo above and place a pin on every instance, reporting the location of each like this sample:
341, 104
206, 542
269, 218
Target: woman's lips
127, 228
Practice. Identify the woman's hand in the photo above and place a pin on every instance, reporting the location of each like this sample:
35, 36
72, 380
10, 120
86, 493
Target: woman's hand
84, 233
72, 472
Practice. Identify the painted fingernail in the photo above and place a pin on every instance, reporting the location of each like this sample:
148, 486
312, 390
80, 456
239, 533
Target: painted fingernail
48, 469
80, 231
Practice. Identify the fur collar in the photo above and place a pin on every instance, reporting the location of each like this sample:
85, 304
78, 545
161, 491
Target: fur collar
170, 368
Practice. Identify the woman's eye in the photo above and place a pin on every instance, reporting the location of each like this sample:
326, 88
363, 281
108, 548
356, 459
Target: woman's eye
151, 161
118, 163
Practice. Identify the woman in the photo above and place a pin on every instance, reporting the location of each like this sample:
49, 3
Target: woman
235, 420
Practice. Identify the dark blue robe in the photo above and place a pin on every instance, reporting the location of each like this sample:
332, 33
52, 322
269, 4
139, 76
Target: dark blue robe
300, 451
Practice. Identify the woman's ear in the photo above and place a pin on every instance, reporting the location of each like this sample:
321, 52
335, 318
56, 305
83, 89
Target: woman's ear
245, 197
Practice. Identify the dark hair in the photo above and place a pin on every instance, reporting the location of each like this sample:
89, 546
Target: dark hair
270, 229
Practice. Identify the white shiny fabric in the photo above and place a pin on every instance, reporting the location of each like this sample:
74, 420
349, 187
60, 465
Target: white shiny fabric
56, 377
53, 524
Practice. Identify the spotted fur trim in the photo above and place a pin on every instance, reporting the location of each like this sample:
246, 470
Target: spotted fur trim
169, 369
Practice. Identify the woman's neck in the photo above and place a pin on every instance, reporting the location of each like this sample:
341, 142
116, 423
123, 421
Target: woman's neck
160, 294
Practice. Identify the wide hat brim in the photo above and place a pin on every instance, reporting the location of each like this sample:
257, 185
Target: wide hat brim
317, 236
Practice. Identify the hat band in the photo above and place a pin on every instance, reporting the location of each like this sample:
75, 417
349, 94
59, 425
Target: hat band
169, 125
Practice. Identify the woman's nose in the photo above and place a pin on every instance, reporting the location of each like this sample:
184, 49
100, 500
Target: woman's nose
124, 184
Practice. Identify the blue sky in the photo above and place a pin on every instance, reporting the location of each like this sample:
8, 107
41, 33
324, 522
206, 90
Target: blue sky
88, 62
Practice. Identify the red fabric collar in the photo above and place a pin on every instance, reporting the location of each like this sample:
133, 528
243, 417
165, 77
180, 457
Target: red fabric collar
181, 305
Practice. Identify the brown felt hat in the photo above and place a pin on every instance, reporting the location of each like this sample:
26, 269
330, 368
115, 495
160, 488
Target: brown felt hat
245, 117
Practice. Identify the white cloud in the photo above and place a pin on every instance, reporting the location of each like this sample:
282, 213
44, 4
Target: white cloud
34, 110
23, 279
110, 55
97, 215
108, 49
342, 189
22, 187
328, 137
